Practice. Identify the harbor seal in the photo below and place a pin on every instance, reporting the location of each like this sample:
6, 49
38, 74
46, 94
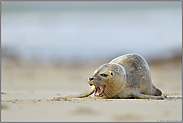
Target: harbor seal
127, 76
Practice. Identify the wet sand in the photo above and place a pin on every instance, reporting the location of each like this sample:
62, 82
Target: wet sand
28, 92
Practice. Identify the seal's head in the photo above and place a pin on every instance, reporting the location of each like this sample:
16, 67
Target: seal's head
108, 79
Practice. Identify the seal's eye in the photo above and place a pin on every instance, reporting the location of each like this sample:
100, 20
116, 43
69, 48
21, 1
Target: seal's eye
111, 74
104, 75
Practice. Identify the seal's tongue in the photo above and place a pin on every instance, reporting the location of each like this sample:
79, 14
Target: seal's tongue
99, 90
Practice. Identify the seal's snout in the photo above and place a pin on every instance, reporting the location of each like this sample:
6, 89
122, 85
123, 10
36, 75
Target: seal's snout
91, 79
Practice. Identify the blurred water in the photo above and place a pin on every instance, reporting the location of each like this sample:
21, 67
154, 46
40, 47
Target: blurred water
86, 30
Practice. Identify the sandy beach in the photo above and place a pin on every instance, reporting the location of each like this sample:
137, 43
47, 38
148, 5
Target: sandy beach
28, 92
49, 50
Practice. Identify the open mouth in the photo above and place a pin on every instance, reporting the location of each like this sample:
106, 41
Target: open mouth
100, 90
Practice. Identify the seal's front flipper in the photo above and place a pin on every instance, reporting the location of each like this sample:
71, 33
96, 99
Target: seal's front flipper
84, 94
143, 96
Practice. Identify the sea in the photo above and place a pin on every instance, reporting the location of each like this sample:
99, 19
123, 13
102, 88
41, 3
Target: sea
82, 31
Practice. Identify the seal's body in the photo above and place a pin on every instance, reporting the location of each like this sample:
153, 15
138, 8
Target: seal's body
127, 76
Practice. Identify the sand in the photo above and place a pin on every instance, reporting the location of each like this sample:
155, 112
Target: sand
28, 92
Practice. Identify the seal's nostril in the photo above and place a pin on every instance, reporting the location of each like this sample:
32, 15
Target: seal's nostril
91, 79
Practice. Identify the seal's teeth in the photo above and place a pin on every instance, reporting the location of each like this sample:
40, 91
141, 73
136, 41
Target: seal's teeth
98, 91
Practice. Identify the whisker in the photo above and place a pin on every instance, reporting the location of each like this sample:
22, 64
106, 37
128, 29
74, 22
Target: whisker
108, 93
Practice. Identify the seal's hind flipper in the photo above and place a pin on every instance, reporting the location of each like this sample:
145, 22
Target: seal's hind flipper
84, 94
157, 92
143, 96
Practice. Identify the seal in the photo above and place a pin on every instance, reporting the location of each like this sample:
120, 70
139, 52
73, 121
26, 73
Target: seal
127, 76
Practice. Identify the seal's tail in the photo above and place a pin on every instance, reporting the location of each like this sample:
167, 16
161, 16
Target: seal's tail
156, 92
